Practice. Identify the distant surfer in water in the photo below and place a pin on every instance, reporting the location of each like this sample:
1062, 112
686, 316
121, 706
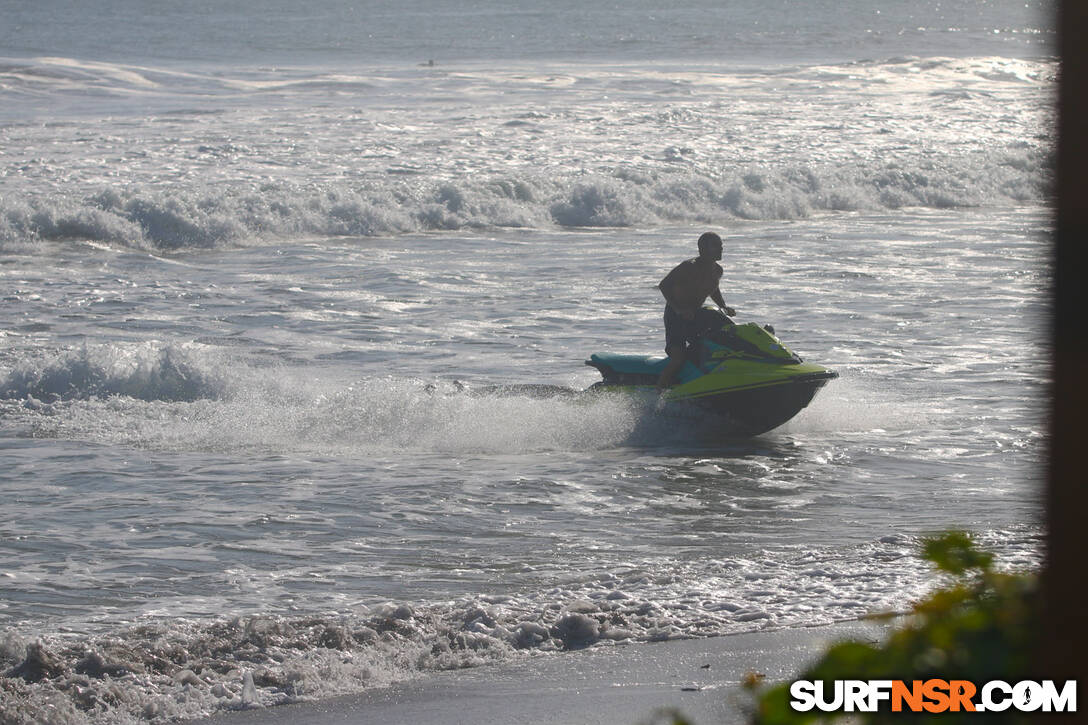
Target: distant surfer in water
685, 289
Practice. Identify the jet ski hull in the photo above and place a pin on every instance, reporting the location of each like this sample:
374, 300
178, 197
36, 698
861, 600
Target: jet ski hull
738, 412
741, 382
750, 411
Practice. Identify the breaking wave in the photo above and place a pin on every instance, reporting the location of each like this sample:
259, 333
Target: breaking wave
228, 216
148, 372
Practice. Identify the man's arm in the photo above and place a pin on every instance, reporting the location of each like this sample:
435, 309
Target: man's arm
716, 295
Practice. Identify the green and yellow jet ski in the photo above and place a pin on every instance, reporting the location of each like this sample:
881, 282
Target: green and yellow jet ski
740, 379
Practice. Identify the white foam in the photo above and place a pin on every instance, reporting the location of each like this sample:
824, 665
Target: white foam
177, 668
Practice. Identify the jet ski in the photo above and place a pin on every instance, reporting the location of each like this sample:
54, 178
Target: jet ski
738, 378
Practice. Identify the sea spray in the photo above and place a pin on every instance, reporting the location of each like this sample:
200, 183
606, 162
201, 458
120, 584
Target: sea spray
197, 397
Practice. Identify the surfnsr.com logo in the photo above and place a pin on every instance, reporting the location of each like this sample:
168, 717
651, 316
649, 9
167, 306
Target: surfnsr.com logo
933, 696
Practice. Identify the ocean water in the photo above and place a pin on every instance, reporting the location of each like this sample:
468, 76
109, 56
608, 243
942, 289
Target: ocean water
261, 269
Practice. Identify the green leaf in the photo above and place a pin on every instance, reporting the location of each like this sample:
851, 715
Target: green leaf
955, 553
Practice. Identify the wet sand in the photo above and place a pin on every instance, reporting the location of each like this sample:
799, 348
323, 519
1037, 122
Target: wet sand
622, 685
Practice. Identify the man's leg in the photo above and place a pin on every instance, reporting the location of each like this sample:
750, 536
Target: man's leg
677, 334
676, 361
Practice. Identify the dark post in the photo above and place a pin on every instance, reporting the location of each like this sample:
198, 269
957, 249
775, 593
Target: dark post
1065, 579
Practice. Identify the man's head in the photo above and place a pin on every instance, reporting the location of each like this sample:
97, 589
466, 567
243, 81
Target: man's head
710, 247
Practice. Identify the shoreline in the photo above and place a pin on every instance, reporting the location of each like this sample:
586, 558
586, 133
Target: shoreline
622, 685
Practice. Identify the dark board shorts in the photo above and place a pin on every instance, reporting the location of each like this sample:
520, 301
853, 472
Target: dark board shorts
679, 333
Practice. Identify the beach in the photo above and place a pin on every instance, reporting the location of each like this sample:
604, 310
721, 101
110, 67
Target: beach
700, 679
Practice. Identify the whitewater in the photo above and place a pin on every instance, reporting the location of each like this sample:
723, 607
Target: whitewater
261, 273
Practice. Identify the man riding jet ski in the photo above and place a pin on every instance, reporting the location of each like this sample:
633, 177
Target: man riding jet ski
740, 379
685, 289
742, 374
